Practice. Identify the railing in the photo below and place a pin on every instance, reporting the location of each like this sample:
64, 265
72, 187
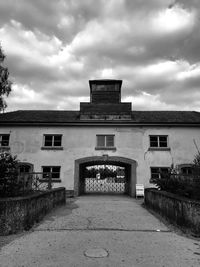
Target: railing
36, 181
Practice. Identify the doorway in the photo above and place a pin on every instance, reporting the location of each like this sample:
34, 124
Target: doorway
105, 175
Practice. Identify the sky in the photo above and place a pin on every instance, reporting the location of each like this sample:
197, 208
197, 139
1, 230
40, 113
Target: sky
53, 48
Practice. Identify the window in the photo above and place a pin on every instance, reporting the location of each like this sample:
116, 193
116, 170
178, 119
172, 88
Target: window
159, 172
186, 170
51, 140
24, 168
105, 141
160, 141
54, 171
4, 140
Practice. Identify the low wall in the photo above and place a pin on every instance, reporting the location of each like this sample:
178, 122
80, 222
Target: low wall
69, 193
20, 213
179, 210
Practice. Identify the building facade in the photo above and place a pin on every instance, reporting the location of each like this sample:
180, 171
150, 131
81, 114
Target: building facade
104, 132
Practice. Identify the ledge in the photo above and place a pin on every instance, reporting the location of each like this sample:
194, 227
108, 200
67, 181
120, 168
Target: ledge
36, 194
159, 149
51, 148
105, 148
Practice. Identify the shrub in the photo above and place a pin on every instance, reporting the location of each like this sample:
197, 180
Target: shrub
9, 183
187, 186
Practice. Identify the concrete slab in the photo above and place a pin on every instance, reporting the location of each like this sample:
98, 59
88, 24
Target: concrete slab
102, 212
117, 225
66, 248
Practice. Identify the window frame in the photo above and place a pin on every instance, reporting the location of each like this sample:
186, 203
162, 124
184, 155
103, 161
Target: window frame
53, 179
52, 146
6, 146
105, 146
159, 147
159, 173
186, 166
25, 165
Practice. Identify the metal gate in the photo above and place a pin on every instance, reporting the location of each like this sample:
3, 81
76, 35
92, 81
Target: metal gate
105, 183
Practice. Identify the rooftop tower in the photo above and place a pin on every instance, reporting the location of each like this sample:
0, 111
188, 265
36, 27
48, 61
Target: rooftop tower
105, 102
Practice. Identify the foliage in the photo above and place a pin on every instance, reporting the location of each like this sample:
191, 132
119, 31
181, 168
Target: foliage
173, 182
196, 162
5, 84
9, 184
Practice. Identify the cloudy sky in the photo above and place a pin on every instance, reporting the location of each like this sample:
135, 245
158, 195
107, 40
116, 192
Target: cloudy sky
54, 47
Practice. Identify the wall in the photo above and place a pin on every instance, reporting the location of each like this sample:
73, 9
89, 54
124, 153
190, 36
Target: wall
80, 142
20, 213
179, 210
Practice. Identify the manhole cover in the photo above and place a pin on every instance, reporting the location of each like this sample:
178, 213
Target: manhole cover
96, 253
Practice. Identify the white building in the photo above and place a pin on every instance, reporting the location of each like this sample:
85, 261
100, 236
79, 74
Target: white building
104, 132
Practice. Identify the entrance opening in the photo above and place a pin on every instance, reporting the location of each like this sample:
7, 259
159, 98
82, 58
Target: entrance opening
104, 179
105, 175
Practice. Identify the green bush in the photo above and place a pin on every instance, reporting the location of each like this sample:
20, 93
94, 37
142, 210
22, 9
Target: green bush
9, 183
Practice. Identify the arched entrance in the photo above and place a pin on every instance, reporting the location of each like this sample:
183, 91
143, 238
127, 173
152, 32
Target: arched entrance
126, 164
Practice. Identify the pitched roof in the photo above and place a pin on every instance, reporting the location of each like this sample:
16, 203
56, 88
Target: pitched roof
166, 116
67, 117
39, 116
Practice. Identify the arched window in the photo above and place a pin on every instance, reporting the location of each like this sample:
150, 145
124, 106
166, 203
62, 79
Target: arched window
25, 167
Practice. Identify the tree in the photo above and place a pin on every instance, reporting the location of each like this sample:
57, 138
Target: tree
8, 164
9, 184
196, 168
196, 160
5, 83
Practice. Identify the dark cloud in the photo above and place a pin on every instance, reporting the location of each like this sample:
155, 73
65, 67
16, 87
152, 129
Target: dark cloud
62, 18
54, 47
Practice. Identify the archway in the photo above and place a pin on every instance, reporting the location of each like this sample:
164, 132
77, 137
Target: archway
128, 164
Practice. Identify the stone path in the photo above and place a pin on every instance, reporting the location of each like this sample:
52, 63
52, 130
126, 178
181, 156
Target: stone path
101, 231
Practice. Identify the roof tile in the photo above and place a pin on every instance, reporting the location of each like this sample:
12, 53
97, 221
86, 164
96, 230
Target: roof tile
54, 116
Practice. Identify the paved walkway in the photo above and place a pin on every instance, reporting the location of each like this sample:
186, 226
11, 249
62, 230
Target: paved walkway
93, 231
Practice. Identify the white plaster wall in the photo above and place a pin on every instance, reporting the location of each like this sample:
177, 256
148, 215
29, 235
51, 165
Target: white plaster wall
79, 142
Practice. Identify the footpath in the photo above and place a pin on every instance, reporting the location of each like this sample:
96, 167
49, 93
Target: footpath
94, 231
